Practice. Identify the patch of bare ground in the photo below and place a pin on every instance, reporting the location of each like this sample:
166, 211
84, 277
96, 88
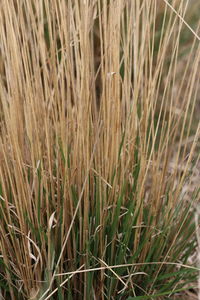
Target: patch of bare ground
185, 296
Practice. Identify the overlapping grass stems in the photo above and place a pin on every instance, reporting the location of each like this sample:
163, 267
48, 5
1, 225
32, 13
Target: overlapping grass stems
98, 149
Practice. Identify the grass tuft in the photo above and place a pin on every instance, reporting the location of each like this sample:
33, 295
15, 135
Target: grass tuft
99, 149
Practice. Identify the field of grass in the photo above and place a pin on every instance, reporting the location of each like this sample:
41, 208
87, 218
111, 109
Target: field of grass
99, 149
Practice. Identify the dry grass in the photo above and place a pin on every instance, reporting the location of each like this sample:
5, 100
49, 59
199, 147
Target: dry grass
97, 147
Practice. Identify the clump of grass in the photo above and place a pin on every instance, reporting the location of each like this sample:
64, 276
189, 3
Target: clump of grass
97, 149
